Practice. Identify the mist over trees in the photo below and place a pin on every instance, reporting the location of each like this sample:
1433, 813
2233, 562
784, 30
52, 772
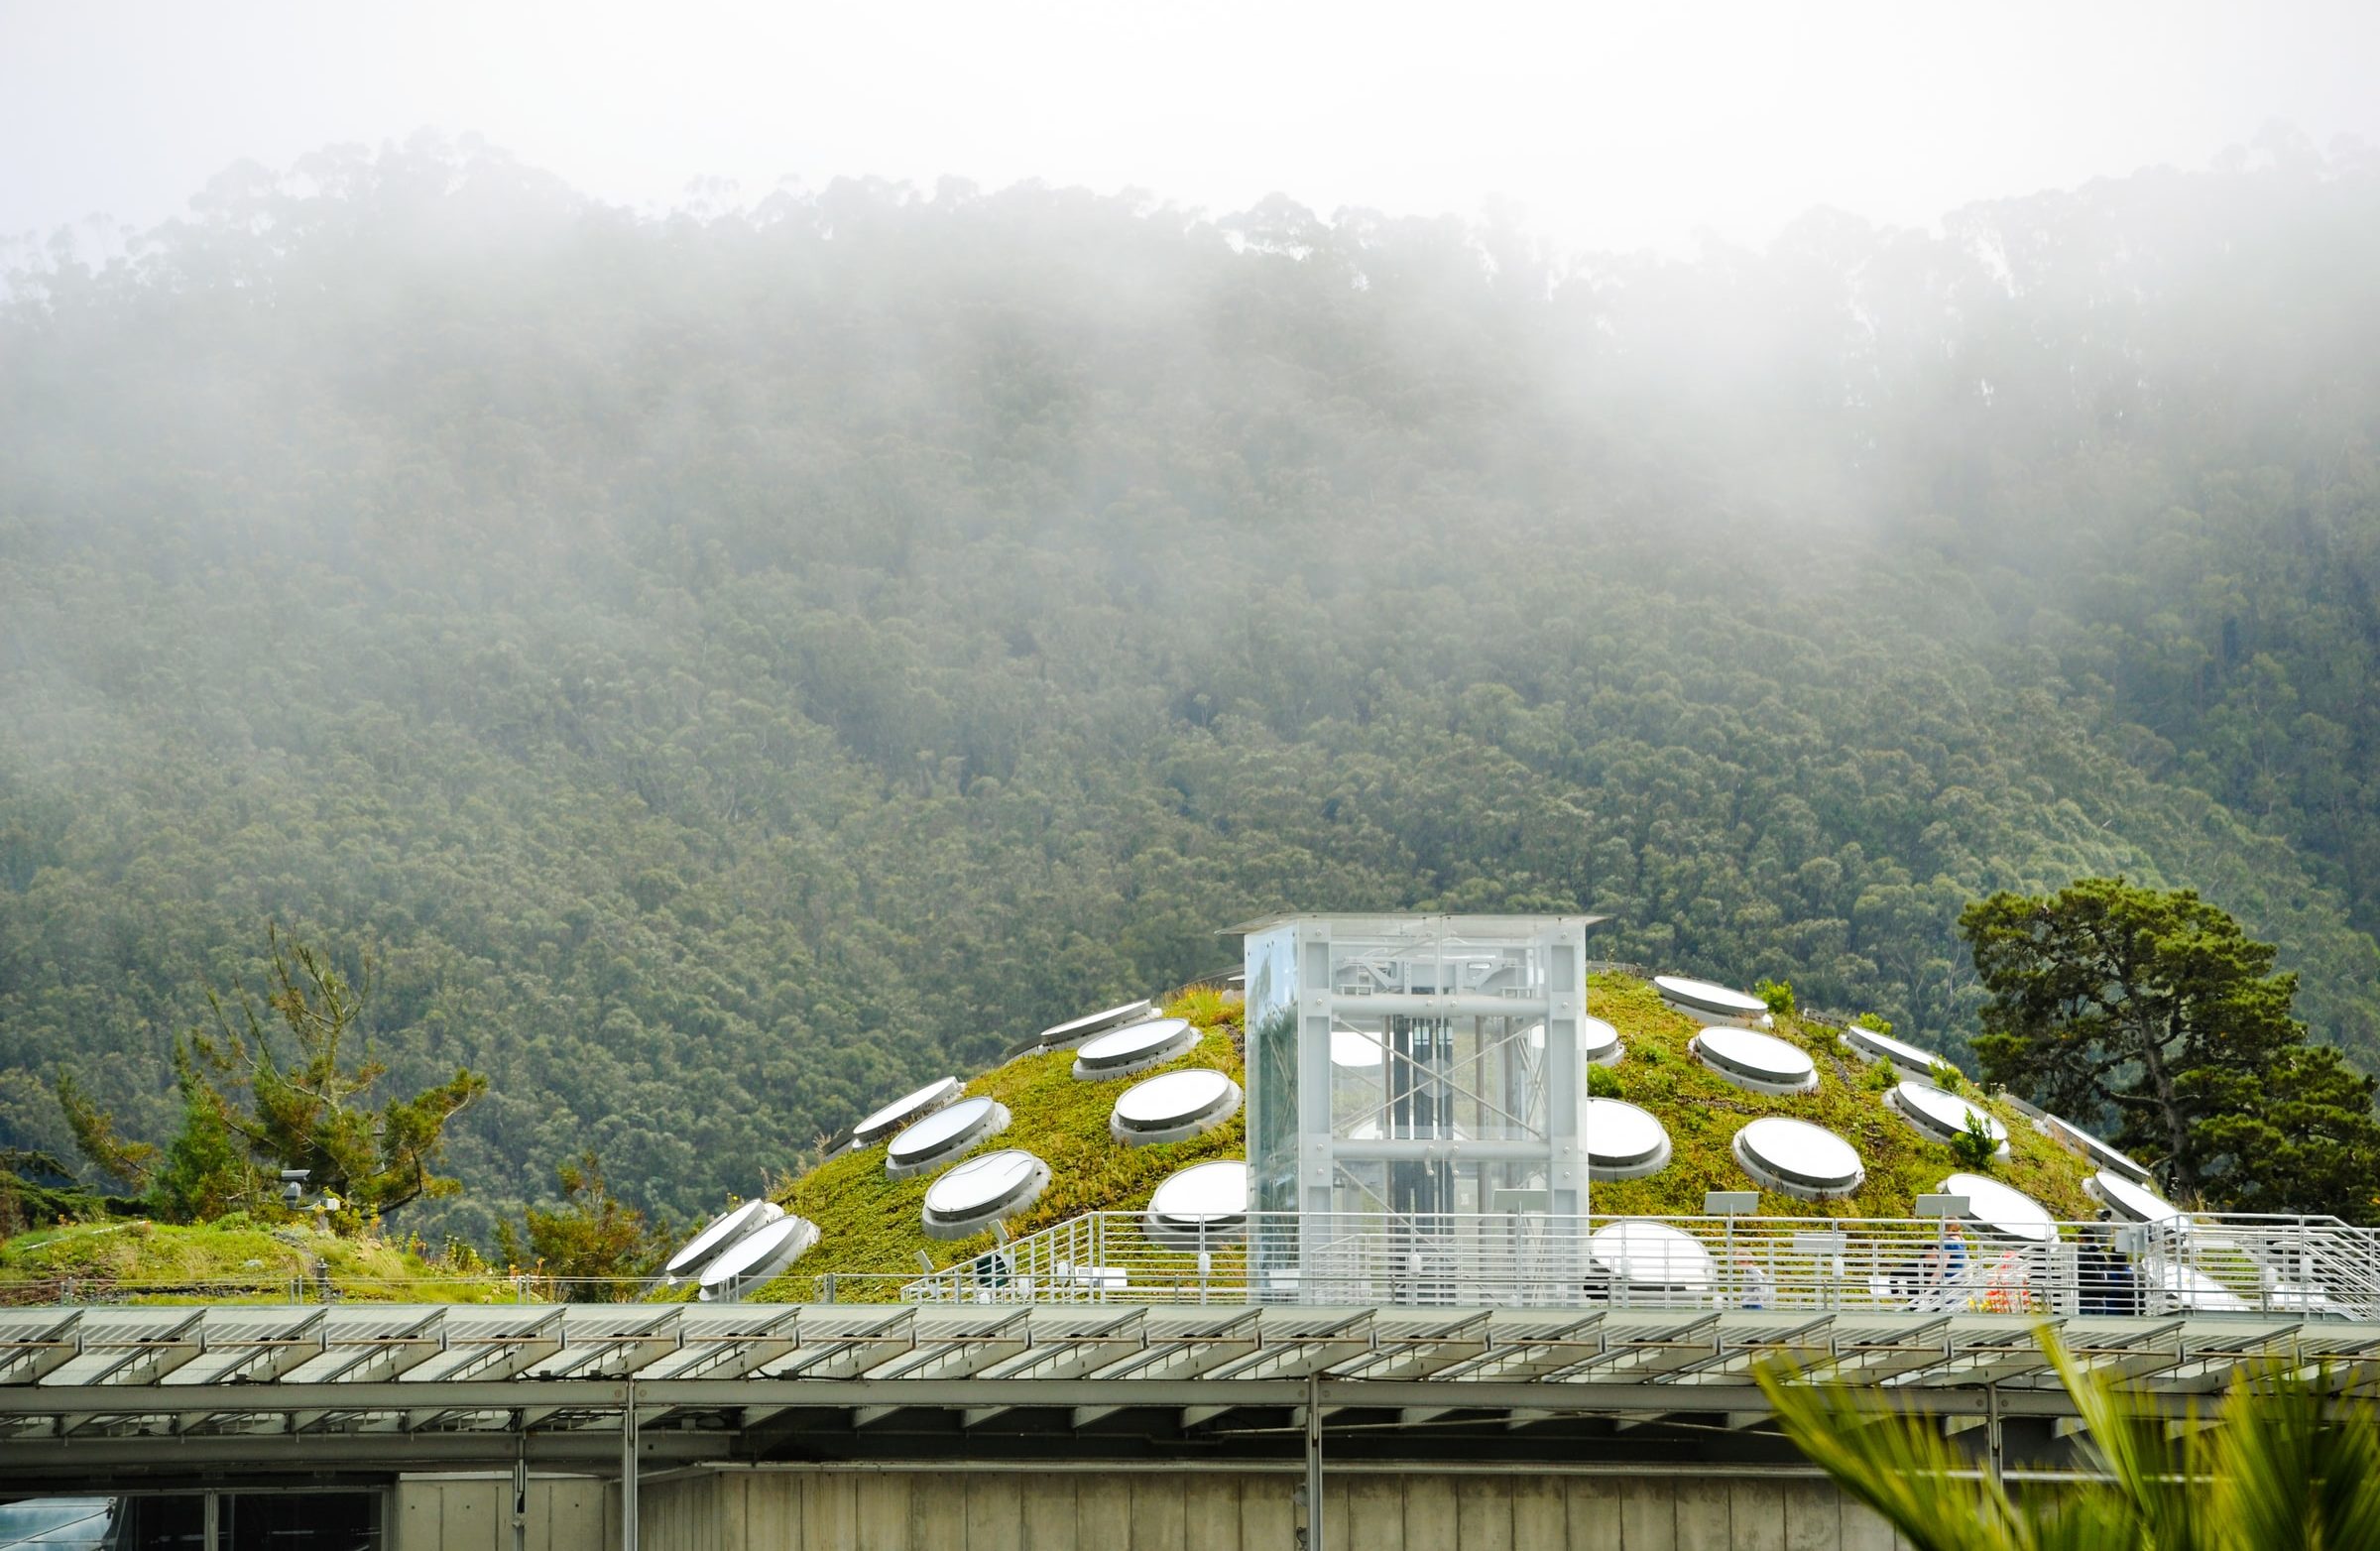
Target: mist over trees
726, 667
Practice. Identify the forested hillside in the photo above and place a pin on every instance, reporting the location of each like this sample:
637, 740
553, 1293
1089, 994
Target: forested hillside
726, 668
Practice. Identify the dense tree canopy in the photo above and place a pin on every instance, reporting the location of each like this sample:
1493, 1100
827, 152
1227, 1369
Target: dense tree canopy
283, 1089
727, 669
2156, 1009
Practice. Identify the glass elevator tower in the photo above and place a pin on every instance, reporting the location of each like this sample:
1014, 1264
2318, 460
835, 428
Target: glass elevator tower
1425, 1067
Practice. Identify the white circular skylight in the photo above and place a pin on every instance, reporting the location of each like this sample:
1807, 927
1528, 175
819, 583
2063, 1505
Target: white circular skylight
2134, 1202
1640, 1255
2297, 1298
1623, 1141
2188, 1287
1803, 1160
1703, 997
1134, 1048
1204, 1203
1599, 1041
719, 1232
2002, 1211
1093, 1022
2098, 1152
758, 1255
1761, 1062
944, 1134
983, 1190
1883, 1048
1353, 1049
905, 1109
1941, 1113
1173, 1106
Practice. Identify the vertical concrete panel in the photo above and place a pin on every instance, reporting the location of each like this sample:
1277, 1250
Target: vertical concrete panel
1483, 1512
415, 1517
1706, 1519
1210, 1512
1652, 1517
1864, 1529
1759, 1508
1813, 1516
470, 1515
1337, 1511
938, 1509
1158, 1512
1267, 1514
734, 1497
994, 1512
830, 1511
652, 1506
773, 1512
1103, 1512
1430, 1512
1375, 1516
1049, 1515
1593, 1503
881, 1512
568, 1513
679, 1516
1540, 1516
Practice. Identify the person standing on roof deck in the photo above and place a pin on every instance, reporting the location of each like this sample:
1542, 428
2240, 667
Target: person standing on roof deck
1753, 1289
1948, 1262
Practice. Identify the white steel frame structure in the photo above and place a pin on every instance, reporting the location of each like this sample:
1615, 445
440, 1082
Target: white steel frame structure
1474, 1101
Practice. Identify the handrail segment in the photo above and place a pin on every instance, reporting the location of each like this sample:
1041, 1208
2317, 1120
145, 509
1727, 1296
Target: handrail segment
2200, 1264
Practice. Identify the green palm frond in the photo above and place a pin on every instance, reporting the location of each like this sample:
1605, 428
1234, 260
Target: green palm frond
2294, 1467
1899, 1464
2288, 1466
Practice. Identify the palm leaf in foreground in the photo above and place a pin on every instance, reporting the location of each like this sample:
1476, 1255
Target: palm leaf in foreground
2288, 1467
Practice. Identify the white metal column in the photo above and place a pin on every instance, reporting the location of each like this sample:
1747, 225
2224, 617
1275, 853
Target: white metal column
628, 1470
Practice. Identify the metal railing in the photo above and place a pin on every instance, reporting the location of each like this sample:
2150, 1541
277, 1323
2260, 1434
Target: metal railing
2203, 1264
2297, 1267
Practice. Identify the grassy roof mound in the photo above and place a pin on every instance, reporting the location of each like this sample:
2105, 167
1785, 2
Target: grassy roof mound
870, 1227
1704, 1111
228, 1261
872, 1233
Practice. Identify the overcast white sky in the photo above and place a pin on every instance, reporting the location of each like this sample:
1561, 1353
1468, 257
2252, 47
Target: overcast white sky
1610, 125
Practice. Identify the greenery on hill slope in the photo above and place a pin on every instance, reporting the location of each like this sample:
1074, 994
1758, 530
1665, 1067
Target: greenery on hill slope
228, 1261
729, 669
871, 1225
1703, 1111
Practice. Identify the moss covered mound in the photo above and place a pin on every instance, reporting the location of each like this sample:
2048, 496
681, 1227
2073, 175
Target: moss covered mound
871, 1234
870, 1225
1704, 1112
229, 1262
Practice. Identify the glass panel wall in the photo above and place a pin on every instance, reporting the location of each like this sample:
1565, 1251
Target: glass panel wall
1268, 960
1425, 1068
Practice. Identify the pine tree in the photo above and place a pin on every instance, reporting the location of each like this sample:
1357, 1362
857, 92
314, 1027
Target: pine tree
2157, 1008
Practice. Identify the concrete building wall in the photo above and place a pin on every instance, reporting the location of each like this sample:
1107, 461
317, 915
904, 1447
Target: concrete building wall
475, 1513
932, 1508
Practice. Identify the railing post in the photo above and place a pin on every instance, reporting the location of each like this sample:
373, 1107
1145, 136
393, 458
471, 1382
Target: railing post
520, 1485
1310, 1532
628, 1469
